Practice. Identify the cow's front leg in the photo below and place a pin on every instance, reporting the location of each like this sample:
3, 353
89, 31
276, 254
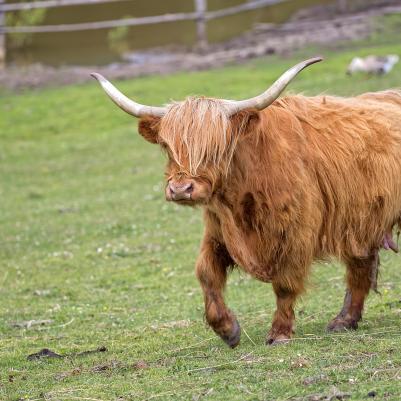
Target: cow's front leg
283, 320
361, 277
211, 270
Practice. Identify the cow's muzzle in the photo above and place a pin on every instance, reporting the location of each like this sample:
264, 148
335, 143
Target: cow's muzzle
179, 191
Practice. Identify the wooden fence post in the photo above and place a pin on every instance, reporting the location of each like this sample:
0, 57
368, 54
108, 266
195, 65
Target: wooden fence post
201, 29
2, 37
342, 6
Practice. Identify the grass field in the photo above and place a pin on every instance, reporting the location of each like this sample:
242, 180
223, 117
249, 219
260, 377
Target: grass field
90, 247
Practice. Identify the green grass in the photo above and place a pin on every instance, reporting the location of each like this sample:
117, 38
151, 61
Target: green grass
88, 242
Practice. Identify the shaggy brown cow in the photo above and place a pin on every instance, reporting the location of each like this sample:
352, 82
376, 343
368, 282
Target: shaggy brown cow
282, 183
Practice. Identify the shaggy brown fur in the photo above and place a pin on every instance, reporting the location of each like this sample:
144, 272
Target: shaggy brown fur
196, 131
306, 179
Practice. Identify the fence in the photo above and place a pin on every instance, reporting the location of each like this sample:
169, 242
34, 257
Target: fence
2, 36
201, 16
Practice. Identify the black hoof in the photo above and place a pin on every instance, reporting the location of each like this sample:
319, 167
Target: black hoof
279, 340
233, 339
340, 325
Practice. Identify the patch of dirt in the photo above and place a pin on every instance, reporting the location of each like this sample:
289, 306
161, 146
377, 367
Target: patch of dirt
102, 368
106, 366
64, 375
321, 25
333, 394
140, 365
27, 324
205, 393
313, 379
300, 362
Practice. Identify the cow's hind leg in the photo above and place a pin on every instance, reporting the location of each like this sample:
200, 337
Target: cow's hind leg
361, 277
211, 270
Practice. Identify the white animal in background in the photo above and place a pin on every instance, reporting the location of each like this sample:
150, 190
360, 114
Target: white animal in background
373, 64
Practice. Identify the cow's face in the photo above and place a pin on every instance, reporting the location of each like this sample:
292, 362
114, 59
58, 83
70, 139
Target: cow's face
199, 139
185, 188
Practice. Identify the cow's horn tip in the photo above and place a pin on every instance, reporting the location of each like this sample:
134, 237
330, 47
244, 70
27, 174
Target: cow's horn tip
317, 59
97, 76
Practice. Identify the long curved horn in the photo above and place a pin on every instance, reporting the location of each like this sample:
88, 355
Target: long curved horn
128, 105
260, 102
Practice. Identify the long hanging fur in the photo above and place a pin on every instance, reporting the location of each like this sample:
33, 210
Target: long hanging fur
198, 132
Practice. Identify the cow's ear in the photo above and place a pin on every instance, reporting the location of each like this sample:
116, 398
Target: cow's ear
246, 121
148, 127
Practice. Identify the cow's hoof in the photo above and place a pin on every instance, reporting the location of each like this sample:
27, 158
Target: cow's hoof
280, 339
338, 325
233, 339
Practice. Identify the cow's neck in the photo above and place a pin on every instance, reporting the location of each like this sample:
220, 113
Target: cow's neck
238, 210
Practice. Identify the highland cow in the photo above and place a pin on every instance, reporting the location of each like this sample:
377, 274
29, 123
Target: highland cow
282, 183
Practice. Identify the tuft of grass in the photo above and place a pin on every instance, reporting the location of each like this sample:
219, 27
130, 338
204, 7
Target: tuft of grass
90, 248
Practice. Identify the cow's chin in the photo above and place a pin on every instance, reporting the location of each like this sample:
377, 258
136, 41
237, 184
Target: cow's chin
185, 202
